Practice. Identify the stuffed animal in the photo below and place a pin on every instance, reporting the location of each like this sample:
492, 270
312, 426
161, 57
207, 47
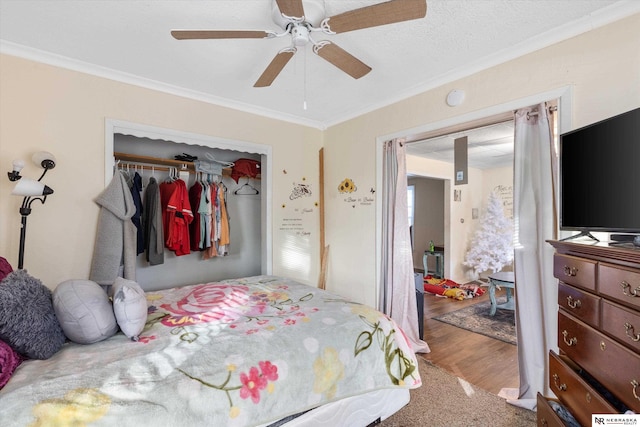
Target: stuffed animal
455, 293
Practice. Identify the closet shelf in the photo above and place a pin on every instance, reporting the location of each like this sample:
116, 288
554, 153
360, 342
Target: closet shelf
148, 162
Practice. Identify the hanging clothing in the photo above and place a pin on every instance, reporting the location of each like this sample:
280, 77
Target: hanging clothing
225, 238
152, 222
204, 209
210, 245
136, 193
195, 194
114, 252
245, 167
179, 216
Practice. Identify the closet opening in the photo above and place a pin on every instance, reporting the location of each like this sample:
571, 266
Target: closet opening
144, 150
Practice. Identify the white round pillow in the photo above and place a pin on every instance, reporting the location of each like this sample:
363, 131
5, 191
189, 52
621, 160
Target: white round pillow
84, 311
129, 307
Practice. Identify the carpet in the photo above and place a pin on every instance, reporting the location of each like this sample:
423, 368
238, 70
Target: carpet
476, 318
445, 400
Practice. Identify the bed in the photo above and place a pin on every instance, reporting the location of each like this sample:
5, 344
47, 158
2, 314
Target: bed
255, 351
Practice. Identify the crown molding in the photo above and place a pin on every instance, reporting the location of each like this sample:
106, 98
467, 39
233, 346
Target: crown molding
607, 15
600, 18
36, 55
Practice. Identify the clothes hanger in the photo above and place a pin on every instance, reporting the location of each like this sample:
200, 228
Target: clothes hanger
210, 157
246, 190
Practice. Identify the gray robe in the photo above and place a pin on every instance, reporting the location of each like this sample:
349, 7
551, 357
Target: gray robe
114, 254
152, 222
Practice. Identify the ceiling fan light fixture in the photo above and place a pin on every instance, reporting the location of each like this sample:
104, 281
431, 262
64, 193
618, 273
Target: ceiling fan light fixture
299, 18
300, 35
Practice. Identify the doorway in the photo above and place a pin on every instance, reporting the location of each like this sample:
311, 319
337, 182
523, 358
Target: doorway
428, 221
485, 362
458, 211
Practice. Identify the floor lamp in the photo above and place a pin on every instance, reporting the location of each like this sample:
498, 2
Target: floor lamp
31, 190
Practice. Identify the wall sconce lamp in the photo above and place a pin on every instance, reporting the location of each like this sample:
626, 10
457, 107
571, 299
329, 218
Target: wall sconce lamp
31, 190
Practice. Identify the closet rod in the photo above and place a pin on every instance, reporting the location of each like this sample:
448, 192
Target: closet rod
155, 161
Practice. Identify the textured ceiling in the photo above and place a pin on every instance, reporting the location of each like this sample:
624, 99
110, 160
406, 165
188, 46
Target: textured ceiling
488, 147
130, 41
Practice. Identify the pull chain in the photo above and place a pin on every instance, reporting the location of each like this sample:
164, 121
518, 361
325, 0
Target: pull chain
304, 79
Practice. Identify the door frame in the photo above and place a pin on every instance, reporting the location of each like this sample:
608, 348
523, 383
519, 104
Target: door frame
564, 96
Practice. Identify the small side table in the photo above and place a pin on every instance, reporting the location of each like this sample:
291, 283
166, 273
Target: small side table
439, 254
504, 279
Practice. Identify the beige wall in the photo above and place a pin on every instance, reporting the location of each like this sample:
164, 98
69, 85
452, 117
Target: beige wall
61, 111
602, 66
43, 107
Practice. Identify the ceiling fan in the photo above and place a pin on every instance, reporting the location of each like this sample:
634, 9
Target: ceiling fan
300, 21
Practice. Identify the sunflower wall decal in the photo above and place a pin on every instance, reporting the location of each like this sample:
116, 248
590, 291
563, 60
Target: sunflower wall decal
347, 186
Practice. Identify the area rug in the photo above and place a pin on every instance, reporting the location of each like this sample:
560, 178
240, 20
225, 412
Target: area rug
476, 318
445, 400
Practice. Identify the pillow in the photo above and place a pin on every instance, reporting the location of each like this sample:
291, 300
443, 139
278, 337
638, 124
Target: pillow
9, 361
29, 324
129, 306
84, 311
5, 268
434, 289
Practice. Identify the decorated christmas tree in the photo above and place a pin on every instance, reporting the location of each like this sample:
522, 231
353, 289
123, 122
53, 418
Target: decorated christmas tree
492, 244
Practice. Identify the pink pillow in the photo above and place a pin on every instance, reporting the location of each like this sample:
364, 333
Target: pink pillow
9, 361
5, 268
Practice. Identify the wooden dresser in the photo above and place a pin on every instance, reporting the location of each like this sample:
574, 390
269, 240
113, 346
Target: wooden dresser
598, 368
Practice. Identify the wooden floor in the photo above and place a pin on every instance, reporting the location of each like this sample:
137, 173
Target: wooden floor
484, 362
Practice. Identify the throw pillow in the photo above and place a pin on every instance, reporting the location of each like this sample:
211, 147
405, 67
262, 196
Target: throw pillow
9, 361
84, 311
129, 306
29, 324
5, 268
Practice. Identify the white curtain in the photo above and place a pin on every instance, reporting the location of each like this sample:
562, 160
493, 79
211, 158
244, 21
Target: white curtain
535, 222
397, 297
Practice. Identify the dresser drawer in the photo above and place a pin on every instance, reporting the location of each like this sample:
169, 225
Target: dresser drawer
575, 271
620, 284
583, 305
545, 415
574, 392
621, 323
616, 367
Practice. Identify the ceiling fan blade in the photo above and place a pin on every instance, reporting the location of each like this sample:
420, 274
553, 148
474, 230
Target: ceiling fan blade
219, 34
292, 8
275, 67
341, 59
388, 12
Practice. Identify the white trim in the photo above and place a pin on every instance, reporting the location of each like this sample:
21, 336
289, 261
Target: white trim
113, 126
564, 95
32, 54
604, 16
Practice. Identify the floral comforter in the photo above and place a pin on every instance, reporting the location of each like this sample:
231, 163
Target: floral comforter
240, 352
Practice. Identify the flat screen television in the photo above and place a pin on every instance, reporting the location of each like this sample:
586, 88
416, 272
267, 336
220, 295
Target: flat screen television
600, 177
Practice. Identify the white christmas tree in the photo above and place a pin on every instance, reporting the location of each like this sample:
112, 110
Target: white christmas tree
492, 244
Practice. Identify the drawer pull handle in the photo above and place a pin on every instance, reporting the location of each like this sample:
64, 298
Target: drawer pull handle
544, 422
635, 385
626, 289
561, 387
571, 342
573, 303
570, 271
629, 330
